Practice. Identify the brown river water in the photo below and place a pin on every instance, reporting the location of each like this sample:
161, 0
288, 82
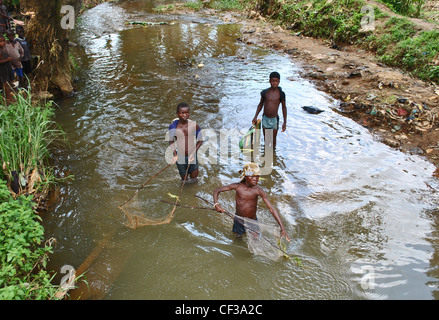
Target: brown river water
362, 217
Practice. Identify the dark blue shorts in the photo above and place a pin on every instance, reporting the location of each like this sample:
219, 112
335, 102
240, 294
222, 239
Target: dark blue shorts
182, 167
239, 228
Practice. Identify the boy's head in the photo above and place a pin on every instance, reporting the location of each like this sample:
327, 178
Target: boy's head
182, 105
275, 75
10, 35
183, 111
250, 170
274, 79
19, 30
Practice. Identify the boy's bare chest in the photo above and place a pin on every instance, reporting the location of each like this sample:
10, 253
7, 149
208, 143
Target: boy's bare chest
187, 128
272, 95
248, 194
182, 127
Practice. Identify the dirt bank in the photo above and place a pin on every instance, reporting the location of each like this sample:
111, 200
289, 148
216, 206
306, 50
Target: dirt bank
378, 97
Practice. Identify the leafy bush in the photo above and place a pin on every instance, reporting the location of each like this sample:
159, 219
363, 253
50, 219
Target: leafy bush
22, 255
405, 7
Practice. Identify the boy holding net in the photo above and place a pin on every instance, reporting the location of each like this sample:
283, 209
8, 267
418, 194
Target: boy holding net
185, 138
247, 195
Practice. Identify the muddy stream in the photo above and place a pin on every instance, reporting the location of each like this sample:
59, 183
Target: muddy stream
362, 217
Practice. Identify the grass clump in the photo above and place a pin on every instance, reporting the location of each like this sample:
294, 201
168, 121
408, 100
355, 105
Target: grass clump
417, 55
26, 132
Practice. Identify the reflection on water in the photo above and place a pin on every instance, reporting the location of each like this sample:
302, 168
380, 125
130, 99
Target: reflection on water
361, 216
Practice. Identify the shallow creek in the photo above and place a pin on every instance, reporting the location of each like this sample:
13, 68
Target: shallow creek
362, 217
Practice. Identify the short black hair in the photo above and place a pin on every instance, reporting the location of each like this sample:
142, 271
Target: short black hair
182, 105
275, 74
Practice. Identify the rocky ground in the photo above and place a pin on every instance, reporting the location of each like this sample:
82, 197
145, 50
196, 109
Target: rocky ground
378, 97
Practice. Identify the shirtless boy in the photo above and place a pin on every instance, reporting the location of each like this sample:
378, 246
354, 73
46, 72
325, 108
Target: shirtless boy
185, 139
271, 98
247, 195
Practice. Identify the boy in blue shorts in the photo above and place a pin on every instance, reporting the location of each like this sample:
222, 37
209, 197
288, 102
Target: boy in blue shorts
185, 138
26, 59
271, 99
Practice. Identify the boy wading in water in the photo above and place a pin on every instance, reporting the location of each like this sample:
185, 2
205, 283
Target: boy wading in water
185, 139
247, 195
271, 98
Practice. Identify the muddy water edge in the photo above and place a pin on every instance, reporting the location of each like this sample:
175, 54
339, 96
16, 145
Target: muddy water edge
361, 216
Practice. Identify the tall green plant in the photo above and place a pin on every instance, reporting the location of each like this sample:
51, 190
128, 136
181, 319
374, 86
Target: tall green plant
26, 132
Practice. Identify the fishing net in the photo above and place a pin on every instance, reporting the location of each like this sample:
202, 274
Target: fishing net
135, 208
263, 239
142, 202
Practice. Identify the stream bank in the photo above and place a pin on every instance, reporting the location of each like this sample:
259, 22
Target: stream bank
379, 97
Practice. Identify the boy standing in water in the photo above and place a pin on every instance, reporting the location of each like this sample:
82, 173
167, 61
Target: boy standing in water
271, 98
185, 139
247, 195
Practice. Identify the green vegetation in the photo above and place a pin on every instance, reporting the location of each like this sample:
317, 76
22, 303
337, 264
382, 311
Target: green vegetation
395, 40
398, 44
405, 7
27, 131
22, 256
194, 5
235, 5
10, 3
231, 5
338, 20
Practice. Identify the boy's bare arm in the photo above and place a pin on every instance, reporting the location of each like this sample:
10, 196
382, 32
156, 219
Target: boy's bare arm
6, 60
173, 148
197, 146
258, 109
274, 213
284, 112
216, 193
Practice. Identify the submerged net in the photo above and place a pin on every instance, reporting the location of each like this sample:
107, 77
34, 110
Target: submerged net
138, 219
140, 202
263, 239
